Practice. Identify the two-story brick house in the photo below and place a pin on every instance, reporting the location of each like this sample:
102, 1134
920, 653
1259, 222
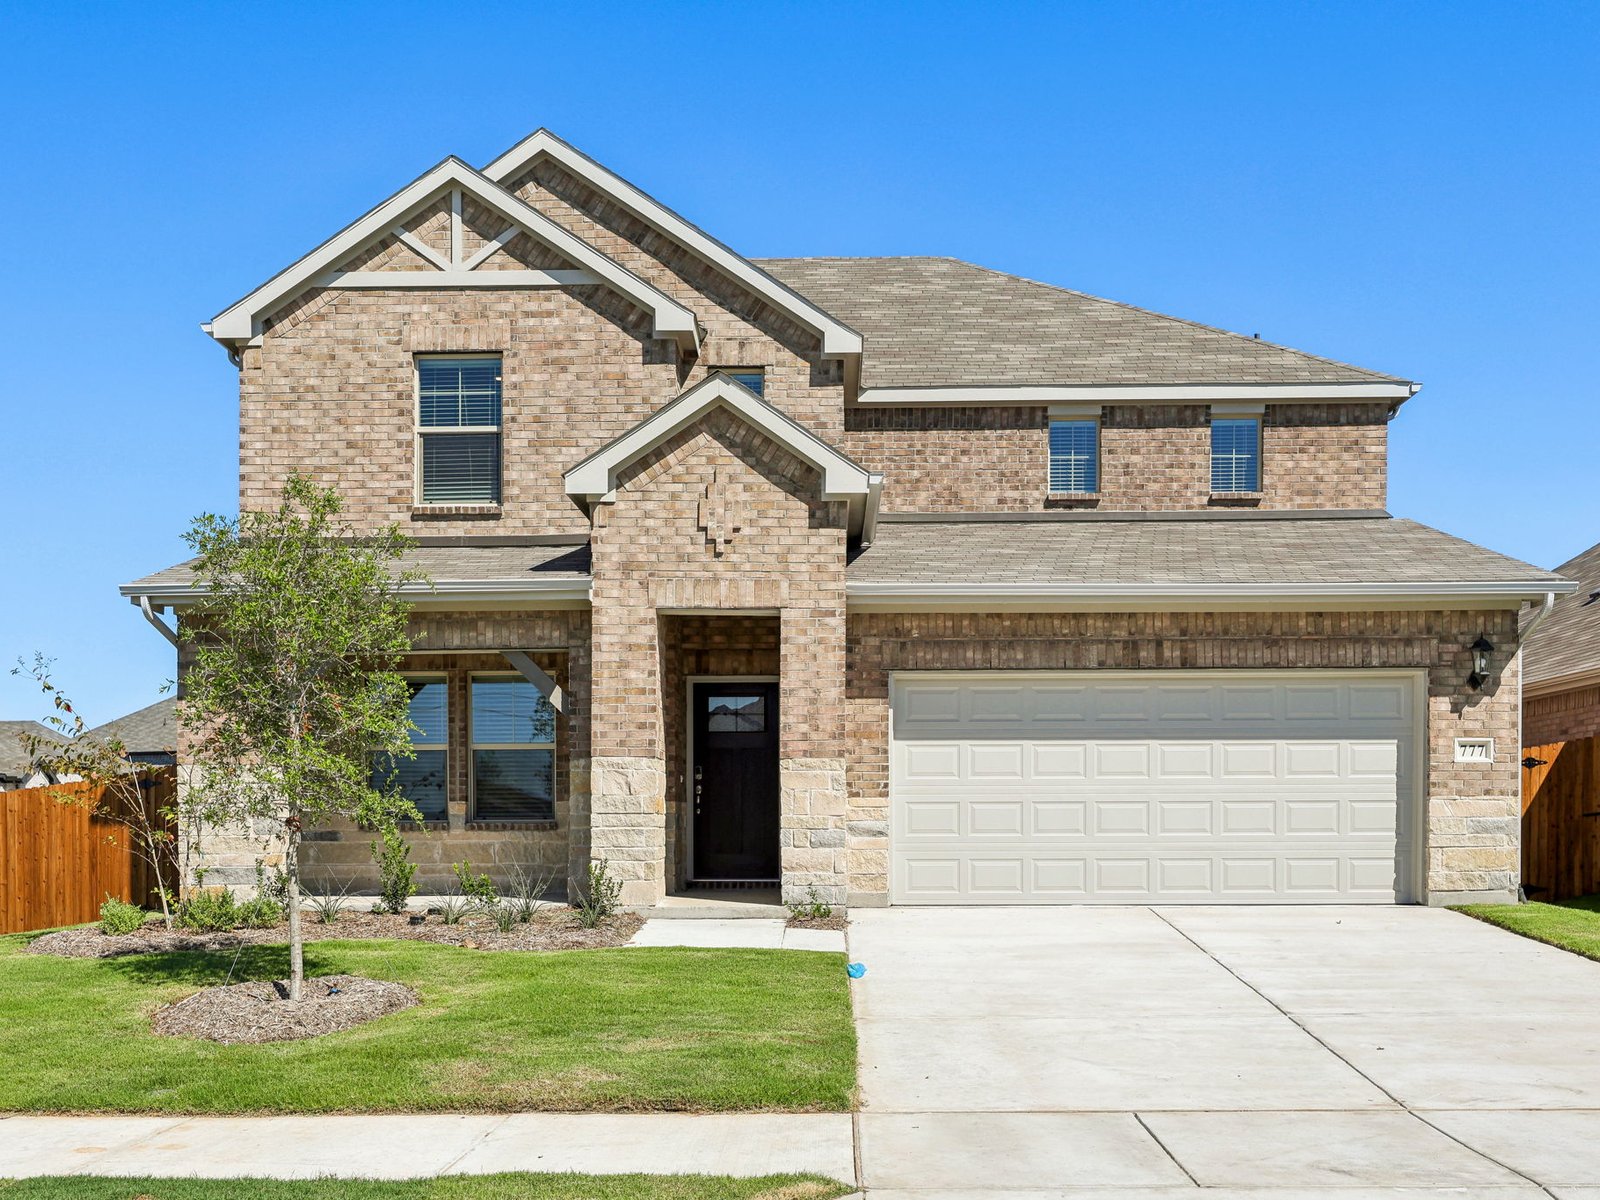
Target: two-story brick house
899, 578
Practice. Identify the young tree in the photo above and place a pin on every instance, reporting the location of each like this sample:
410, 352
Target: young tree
292, 688
117, 785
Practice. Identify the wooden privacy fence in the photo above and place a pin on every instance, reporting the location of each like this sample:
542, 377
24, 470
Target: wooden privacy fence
58, 863
1561, 819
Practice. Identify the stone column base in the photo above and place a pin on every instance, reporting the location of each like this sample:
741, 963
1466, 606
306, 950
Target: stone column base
628, 824
811, 830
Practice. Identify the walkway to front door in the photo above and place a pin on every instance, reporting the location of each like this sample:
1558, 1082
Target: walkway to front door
1337, 1051
734, 782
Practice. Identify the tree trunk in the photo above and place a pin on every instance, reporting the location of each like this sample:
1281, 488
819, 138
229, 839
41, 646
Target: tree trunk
297, 960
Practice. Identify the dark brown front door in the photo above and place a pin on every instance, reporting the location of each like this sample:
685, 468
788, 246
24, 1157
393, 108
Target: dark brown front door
735, 784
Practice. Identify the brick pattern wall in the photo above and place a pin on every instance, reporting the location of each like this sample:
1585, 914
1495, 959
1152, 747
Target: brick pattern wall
652, 552
1561, 717
1473, 810
1152, 457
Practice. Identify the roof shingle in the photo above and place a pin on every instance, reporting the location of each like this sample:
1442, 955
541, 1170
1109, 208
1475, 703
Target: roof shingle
939, 322
1567, 642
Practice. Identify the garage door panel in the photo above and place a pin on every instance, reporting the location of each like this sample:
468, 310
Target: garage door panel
1177, 788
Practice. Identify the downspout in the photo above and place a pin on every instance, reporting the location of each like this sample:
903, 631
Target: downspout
149, 615
1522, 637
1533, 623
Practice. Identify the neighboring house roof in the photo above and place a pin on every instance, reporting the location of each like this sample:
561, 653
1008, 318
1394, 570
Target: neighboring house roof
457, 573
243, 320
941, 323
1565, 648
1122, 558
837, 337
151, 730
15, 762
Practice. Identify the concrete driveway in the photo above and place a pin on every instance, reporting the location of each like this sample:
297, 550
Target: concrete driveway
1211, 1053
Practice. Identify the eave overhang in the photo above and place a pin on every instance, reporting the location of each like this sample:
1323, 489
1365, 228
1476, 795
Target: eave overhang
242, 321
439, 594
1393, 393
838, 339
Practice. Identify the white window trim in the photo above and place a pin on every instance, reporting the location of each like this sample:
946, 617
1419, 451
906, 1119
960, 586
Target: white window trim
419, 431
1227, 413
1062, 414
473, 746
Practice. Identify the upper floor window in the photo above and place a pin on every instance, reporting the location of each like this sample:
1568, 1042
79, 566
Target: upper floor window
458, 430
754, 378
1075, 455
421, 778
1235, 454
513, 751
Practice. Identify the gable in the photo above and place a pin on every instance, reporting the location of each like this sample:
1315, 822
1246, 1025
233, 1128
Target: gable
594, 480
442, 230
837, 339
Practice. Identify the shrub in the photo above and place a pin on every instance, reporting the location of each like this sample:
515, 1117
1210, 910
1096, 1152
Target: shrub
526, 889
395, 871
503, 914
453, 907
328, 905
208, 912
118, 917
259, 912
477, 888
598, 898
812, 908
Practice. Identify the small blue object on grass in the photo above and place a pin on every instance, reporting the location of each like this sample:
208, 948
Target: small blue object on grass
855, 970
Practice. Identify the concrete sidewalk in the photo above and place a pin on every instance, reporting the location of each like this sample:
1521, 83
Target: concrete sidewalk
415, 1146
737, 933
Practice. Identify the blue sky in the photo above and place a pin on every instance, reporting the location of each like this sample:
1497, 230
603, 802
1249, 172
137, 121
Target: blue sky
1408, 187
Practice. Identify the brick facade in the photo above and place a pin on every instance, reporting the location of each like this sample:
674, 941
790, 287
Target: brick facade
1152, 457
1472, 810
1561, 716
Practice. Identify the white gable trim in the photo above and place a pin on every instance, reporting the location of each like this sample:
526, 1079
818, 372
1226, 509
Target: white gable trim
594, 480
242, 321
838, 339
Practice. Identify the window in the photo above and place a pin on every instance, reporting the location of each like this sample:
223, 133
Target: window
513, 751
421, 779
754, 378
1075, 455
1235, 454
736, 714
458, 430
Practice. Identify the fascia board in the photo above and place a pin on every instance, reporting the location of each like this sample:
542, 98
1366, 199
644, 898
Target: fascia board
1205, 393
596, 476
240, 321
838, 339
454, 591
1559, 683
1494, 594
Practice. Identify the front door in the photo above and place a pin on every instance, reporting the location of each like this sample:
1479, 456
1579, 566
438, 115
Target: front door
735, 782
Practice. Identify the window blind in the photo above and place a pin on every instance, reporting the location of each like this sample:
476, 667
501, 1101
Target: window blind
1235, 454
1074, 456
513, 751
458, 418
421, 779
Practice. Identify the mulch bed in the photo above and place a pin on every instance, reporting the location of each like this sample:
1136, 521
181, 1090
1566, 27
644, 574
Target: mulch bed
556, 929
261, 1012
837, 921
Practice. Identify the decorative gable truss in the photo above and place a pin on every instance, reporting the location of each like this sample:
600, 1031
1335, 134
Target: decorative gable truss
453, 228
594, 480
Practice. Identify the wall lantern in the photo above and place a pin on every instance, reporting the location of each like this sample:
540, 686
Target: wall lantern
1481, 649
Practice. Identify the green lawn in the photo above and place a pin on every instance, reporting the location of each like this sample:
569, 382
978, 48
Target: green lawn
457, 1187
1571, 924
611, 1030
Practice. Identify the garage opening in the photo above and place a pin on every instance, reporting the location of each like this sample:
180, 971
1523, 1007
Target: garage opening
1183, 787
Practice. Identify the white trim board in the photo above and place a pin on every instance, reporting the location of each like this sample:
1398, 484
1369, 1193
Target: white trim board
594, 480
242, 320
1186, 393
838, 339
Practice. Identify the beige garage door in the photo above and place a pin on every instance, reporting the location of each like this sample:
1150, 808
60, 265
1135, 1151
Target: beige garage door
1144, 787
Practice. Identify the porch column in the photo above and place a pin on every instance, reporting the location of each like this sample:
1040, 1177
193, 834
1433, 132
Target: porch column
627, 769
811, 753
